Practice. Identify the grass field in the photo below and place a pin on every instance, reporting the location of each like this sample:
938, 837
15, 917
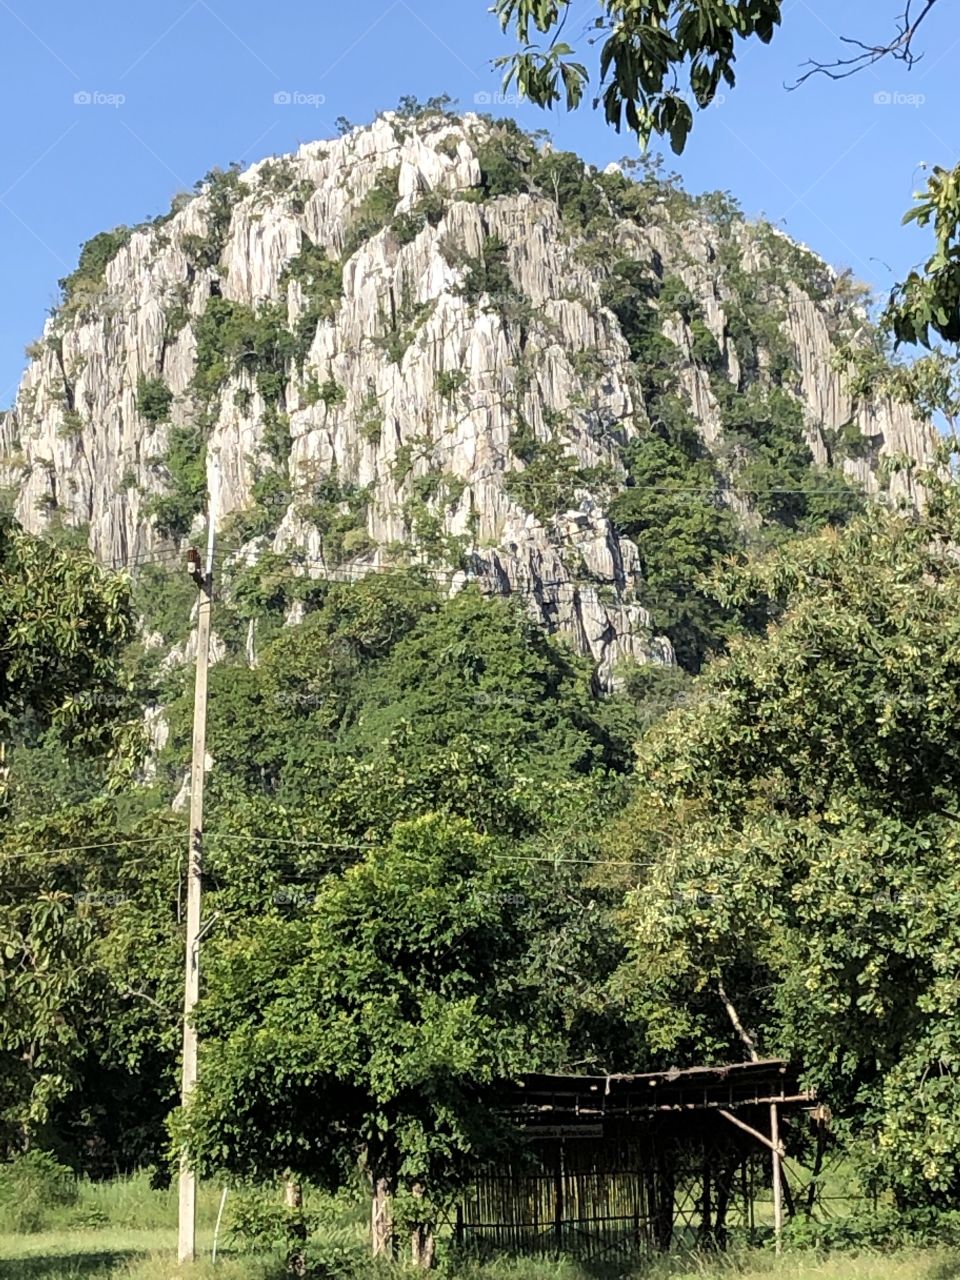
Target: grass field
99, 1254
125, 1230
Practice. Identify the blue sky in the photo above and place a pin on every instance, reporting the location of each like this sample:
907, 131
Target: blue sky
178, 86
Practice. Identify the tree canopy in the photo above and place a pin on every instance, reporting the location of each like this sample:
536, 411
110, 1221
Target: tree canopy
64, 624
372, 1024
800, 821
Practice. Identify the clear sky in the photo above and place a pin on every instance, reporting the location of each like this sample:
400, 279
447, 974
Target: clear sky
112, 106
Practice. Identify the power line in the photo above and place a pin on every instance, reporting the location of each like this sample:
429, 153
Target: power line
79, 848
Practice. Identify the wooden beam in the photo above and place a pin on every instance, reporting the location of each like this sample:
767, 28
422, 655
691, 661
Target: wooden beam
754, 1133
762, 1100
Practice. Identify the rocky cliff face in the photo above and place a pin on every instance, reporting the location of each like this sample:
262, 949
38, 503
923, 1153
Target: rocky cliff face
371, 346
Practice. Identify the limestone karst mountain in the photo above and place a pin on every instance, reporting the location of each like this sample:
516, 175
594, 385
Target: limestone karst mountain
435, 339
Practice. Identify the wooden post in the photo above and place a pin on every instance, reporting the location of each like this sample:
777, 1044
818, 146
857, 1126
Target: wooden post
187, 1228
293, 1199
558, 1199
706, 1203
777, 1177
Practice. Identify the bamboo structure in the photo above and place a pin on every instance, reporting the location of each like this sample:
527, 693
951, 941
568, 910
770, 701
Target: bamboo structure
623, 1165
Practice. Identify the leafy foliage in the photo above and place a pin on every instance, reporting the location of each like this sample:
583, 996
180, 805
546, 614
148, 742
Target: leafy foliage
88, 951
643, 47
86, 281
382, 1018
64, 622
488, 274
802, 814
551, 477
670, 509
931, 301
30, 1186
338, 511
221, 189
321, 281
375, 211
185, 463
154, 398
233, 339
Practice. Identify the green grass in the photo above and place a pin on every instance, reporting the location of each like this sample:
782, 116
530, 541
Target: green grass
125, 1230
147, 1255
120, 1255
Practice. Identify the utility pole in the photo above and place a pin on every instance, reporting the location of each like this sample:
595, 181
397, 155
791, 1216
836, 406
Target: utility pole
187, 1242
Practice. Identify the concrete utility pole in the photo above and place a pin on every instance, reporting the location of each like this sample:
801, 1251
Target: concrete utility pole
187, 1242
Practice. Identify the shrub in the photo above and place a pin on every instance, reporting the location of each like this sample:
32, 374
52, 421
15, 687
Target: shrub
71, 426
232, 338
331, 393
549, 481
428, 210
488, 274
186, 467
371, 424
562, 177
279, 177
164, 601
878, 1228
222, 189
276, 434
505, 155
407, 226
448, 382
321, 283
154, 398
374, 212
337, 511
411, 108
32, 1185
402, 327
88, 277
271, 498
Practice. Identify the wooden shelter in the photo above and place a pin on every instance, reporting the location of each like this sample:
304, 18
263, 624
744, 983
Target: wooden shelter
627, 1163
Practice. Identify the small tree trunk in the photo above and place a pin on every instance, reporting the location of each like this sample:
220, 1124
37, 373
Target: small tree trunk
422, 1246
422, 1243
293, 1199
381, 1219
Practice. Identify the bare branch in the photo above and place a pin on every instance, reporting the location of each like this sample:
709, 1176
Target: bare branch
142, 995
900, 48
740, 1029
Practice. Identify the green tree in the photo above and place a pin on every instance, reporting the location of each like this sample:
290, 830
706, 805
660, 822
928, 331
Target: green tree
90, 978
389, 701
799, 815
64, 623
372, 1027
